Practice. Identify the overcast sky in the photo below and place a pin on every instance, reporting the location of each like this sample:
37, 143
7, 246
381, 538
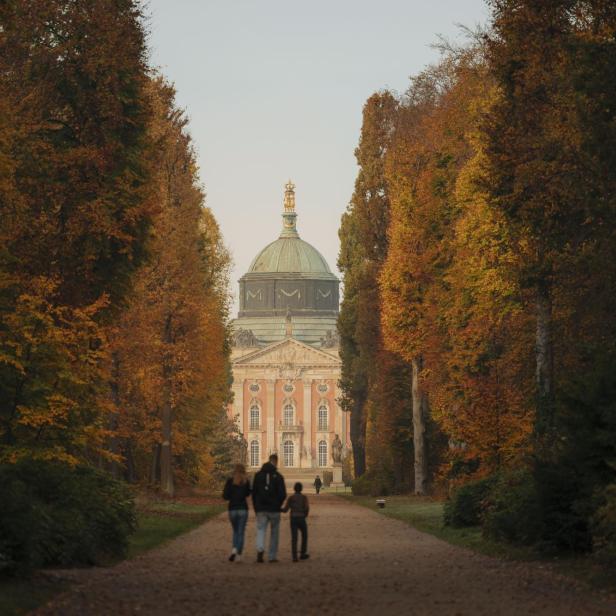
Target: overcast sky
274, 90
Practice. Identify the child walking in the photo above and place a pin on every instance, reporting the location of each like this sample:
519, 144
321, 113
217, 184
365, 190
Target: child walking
297, 503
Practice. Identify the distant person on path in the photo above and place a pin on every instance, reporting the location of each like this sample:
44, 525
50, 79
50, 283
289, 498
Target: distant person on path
299, 507
268, 495
236, 491
317, 484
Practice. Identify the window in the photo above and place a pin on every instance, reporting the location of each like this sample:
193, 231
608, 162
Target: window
322, 387
288, 415
322, 453
288, 388
287, 451
255, 417
254, 453
254, 387
323, 417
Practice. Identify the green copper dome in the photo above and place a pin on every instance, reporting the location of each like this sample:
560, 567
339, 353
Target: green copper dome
288, 279
289, 254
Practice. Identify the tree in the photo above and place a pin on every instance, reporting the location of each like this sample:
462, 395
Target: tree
363, 238
75, 208
423, 162
171, 343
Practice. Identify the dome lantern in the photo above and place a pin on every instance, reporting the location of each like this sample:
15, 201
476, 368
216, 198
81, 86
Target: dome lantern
289, 216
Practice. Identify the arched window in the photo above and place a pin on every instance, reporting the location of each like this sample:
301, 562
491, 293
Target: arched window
287, 451
255, 417
322, 453
323, 417
255, 457
288, 415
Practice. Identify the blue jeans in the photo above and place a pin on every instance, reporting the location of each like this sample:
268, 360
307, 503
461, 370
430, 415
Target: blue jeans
263, 519
238, 518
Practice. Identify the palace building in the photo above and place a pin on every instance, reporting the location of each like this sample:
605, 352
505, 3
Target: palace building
285, 357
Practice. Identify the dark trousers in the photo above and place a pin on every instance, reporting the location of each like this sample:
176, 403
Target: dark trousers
299, 524
317, 488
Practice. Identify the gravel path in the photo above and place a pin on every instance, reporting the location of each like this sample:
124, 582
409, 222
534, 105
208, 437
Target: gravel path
361, 563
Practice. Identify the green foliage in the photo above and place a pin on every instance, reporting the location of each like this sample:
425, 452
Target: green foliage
543, 507
603, 527
55, 514
465, 507
225, 444
373, 484
512, 510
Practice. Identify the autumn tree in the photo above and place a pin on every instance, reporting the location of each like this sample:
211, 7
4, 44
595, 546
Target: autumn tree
171, 343
75, 208
363, 237
550, 175
431, 145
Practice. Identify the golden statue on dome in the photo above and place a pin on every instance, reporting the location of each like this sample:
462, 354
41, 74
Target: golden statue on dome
289, 197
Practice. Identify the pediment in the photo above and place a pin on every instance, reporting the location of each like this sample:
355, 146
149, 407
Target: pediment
288, 352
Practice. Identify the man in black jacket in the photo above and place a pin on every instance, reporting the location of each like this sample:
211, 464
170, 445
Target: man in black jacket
268, 495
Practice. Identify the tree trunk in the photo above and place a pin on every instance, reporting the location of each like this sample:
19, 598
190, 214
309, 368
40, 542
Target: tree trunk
166, 454
358, 437
155, 468
544, 360
420, 403
131, 474
114, 443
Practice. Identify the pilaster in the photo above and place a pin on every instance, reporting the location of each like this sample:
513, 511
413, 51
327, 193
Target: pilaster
270, 445
307, 384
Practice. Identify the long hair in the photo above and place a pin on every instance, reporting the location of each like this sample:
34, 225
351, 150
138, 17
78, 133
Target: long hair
239, 475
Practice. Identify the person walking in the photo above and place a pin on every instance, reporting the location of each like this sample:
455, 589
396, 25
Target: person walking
317, 484
298, 505
268, 495
236, 491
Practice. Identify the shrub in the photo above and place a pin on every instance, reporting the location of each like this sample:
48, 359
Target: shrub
512, 510
604, 527
566, 504
549, 507
465, 506
54, 514
372, 485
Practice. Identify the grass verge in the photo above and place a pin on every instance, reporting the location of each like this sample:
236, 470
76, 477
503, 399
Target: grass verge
159, 522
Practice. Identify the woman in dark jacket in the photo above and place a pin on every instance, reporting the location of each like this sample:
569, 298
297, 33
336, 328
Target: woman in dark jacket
237, 490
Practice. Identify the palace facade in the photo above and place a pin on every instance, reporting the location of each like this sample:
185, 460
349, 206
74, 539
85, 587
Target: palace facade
285, 357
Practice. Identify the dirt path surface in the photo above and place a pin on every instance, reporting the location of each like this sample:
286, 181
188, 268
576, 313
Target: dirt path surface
361, 563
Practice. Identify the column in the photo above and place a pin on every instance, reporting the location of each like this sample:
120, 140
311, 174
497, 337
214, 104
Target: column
308, 421
270, 445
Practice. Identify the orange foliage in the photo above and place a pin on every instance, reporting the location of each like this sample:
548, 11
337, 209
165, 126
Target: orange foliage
170, 344
446, 293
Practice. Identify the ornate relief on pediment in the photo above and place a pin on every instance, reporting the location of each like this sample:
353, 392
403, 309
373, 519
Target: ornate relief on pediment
290, 358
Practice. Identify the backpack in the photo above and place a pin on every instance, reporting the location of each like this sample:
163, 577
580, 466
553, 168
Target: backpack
268, 492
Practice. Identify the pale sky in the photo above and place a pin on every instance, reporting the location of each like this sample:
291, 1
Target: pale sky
274, 89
